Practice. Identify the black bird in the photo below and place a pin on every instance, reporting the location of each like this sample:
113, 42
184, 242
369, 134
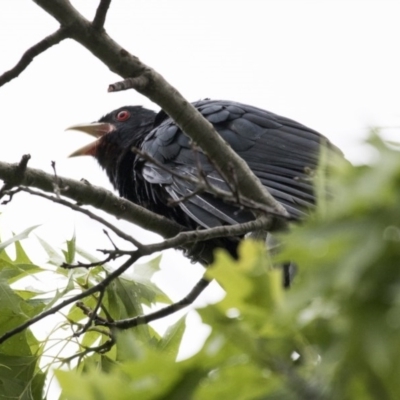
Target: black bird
282, 153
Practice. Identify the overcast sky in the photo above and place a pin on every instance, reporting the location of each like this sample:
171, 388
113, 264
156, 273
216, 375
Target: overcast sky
332, 65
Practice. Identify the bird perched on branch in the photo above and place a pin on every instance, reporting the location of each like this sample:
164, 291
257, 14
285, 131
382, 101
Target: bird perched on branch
151, 162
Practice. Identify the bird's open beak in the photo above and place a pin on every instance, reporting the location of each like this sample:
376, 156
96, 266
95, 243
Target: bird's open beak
96, 129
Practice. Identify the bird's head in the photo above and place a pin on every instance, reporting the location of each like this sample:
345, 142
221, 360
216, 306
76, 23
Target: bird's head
115, 134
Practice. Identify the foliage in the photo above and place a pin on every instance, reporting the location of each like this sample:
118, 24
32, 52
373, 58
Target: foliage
20, 376
334, 335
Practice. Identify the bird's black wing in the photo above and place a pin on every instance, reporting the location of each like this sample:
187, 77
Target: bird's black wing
279, 151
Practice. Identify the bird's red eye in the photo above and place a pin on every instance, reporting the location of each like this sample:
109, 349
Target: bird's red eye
123, 116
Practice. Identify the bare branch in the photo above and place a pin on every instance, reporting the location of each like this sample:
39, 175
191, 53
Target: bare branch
80, 264
216, 232
91, 215
138, 84
182, 199
84, 193
100, 17
57, 182
164, 312
103, 348
200, 235
32, 52
93, 315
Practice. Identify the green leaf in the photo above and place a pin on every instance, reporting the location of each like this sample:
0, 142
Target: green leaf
142, 275
85, 254
17, 377
171, 341
253, 288
21, 256
16, 238
15, 272
38, 385
71, 250
54, 257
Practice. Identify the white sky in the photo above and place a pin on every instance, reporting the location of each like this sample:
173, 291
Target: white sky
332, 65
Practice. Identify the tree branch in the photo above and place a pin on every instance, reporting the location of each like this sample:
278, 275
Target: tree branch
153, 85
212, 233
164, 312
100, 17
93, 315
91, 215
84, 193
32, 52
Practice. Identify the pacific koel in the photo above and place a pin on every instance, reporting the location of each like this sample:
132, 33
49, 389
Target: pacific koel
282, 153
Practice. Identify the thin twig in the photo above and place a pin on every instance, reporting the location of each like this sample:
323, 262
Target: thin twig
138, 84
32, 52
206, 186
103, 348
57, 184
92, 315
182, 199
164, 312
216, 232
88, 213
80, 264
101, 13
10, 193
199, 235
200, 170
109, 238
89, 312
234, 185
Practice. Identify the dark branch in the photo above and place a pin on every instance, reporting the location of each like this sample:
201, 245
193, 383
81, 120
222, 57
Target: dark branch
164, 312
93, 315
80, 264
91, 215
213, 233
183, 239
57, 182
32, 52
103, 348
101, 13
84, 193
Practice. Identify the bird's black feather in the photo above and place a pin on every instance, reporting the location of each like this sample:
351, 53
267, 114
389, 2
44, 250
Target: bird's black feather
280, 152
